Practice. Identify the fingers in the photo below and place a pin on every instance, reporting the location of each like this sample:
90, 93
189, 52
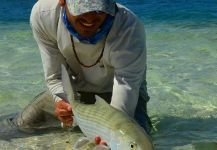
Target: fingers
63, 105
103, 143
69, 107
67, 121
63, 108
66, 125
63, 111
98, 141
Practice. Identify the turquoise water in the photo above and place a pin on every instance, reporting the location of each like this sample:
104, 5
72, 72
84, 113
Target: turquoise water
182, 68
20, 66
183, 84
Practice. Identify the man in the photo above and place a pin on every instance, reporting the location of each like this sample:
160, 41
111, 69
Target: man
103, 45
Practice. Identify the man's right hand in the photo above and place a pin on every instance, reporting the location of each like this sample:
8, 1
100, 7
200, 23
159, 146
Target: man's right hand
63, 111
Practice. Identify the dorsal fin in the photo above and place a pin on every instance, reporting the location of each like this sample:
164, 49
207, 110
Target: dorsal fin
100, 101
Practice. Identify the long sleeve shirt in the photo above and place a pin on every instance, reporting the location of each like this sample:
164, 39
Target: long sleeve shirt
121, 69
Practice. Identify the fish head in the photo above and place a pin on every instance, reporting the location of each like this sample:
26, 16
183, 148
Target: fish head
124, 140
128, 144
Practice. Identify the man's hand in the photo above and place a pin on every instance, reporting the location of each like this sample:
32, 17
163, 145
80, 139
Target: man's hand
63, 111
99, 141
100, 144
86, 143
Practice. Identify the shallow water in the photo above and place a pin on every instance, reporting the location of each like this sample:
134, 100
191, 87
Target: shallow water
182, 72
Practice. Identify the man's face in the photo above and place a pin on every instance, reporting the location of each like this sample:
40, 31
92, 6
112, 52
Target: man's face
86, 24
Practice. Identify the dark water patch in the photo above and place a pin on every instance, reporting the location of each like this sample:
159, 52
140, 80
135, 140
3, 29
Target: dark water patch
15, 10
150, 11
174, 10
174, 131
205, 145
10, 130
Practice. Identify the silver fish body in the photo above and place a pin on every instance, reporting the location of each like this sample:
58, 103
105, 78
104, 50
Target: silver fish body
115, 127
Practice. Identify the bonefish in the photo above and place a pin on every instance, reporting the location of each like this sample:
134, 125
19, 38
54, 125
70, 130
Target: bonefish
115, 127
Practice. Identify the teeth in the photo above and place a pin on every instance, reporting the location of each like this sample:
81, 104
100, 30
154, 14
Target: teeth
88, 24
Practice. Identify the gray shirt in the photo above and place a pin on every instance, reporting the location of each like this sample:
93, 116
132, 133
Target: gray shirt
121, 69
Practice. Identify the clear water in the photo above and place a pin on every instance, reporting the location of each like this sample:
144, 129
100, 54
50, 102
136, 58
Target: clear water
182, 70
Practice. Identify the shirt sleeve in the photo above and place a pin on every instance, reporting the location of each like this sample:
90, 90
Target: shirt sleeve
128, 57
50, 54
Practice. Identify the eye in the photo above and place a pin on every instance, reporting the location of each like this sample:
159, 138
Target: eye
133, 146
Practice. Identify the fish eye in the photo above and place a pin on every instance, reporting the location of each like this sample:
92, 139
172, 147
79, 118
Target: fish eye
133, 146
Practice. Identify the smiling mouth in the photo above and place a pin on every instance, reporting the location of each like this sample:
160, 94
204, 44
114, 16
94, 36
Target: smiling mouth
87, 24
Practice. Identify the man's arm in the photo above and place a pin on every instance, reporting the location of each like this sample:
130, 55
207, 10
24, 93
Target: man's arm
50, 54
128, 57
44, 31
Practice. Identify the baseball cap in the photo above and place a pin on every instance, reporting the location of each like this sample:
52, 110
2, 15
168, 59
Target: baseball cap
78, 7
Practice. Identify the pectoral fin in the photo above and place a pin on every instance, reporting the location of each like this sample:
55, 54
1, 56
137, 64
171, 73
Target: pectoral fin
84, 143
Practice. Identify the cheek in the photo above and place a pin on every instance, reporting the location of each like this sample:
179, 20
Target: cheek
76, 25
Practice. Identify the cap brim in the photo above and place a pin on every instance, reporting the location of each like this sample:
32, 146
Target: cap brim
78, 7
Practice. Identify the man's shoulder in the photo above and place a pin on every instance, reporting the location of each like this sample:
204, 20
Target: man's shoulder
46, 7
45, 17
124, 9
125, 18
125, 13
125, 21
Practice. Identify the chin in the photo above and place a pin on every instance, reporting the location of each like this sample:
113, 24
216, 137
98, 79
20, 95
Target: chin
86, 34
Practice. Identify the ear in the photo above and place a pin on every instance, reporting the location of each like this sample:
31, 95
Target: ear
62, 2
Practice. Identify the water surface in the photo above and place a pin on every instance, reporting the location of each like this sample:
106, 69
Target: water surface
181, 38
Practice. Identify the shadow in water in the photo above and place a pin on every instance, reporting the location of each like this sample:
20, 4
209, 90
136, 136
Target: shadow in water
173, 133
10, 130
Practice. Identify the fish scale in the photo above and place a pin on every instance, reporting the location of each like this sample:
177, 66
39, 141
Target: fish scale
93, 120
